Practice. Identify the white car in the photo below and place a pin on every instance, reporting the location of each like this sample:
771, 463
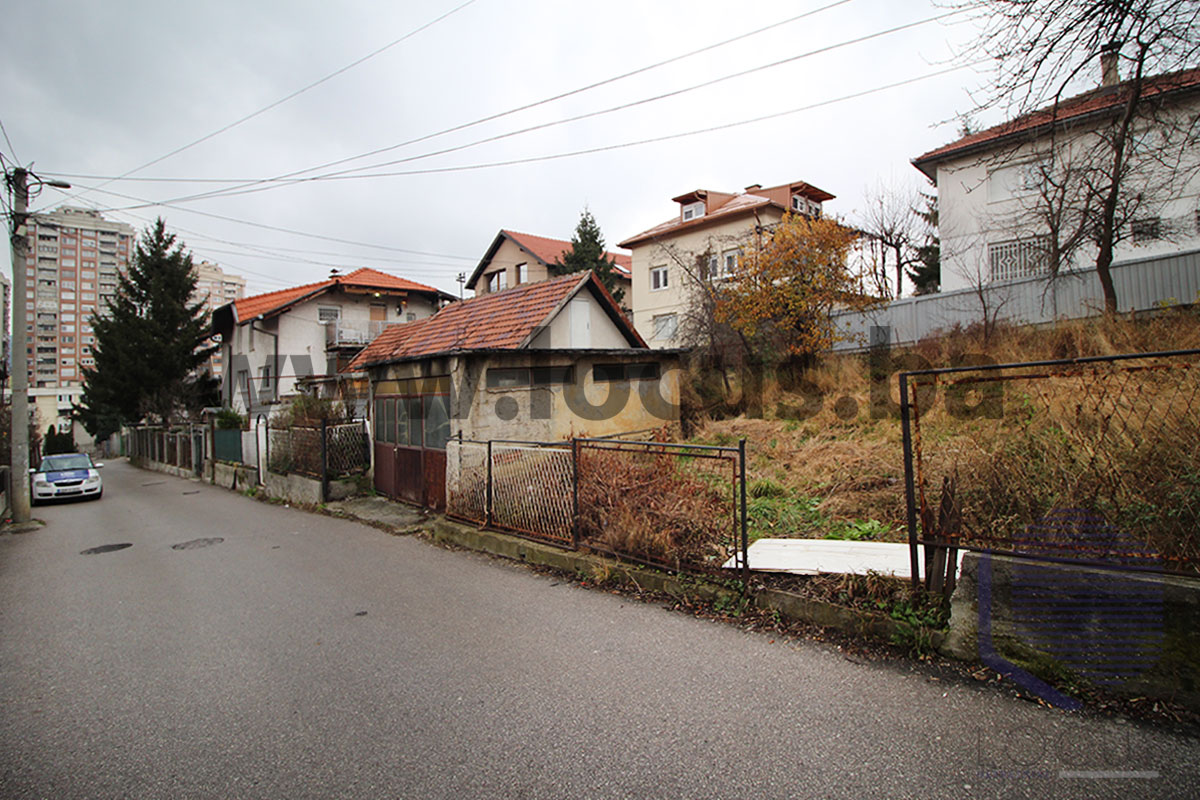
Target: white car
66, 475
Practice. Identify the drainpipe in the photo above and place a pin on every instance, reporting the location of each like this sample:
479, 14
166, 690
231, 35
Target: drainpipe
274, 360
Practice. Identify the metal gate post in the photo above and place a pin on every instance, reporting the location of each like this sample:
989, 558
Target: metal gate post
324, 460
910, 492
212, 453
745, 532
575, 494
487, 512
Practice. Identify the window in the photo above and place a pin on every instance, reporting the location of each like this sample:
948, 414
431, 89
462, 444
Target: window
714, 262
1146, 230
658, 278
1019, 258
665, 326
329, 313
517, 377
497, 281
437, 420
385, 420
730, 259
692, 211
410, 317
265, 376
602, 373
522, 273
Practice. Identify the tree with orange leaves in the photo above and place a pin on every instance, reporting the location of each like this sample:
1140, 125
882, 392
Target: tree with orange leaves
785, 289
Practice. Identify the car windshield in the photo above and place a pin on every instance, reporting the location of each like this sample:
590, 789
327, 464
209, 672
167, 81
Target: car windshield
72, 461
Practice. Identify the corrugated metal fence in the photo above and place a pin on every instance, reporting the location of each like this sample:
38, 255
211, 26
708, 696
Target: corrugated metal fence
1140, 286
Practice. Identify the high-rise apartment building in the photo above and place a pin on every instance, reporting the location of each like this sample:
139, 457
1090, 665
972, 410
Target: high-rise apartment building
73, 260
215, 288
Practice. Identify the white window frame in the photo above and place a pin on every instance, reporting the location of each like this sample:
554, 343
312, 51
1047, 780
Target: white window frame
329, 314
692, 211
497, 281
659, 279
522, 275
728, 269
665, 326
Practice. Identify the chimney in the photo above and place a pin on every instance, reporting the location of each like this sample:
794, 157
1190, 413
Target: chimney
754, 187
1110, 54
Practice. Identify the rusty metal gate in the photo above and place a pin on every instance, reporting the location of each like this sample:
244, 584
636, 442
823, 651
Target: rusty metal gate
411, 429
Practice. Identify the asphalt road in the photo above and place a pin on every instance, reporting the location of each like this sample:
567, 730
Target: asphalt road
304, 656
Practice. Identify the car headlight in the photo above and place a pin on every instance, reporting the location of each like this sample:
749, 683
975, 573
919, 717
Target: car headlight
92, 480
40, 482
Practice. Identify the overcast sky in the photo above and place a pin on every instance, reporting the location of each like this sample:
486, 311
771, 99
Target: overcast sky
99, 89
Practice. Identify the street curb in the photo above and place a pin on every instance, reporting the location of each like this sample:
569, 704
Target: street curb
602, 569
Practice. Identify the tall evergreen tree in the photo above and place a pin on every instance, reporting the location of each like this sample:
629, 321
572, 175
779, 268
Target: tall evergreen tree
587, 252
926, 274
148, 346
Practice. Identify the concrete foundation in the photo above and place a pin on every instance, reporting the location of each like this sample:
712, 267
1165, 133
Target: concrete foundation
1131, 633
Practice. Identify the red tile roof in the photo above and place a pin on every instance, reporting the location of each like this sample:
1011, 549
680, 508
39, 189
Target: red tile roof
720, 206
499, 321
271, 302
545, 250
1103, 99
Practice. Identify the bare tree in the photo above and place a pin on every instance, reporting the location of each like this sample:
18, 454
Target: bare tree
1135, 152
891, 223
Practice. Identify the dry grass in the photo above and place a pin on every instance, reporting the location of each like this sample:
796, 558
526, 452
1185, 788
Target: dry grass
852, 463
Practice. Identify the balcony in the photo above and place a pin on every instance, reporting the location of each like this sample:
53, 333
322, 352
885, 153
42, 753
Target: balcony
347, 334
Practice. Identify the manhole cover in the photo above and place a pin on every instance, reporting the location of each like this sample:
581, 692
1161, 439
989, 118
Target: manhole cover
105, 548
196, 544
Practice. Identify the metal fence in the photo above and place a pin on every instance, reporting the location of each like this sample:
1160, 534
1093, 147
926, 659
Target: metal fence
176, 447
227, 444
1093, 460
680, 507
327, 451
1141, 285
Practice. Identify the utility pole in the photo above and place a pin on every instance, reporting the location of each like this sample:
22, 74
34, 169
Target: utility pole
19, 191
462, 281
18, 186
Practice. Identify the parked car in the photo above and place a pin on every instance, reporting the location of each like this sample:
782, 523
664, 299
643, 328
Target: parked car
66, 475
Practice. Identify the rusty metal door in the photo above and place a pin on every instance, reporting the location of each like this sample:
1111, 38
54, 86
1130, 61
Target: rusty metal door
410, 449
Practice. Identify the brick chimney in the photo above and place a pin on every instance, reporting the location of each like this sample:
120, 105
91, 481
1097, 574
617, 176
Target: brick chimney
1110, 54
754, 187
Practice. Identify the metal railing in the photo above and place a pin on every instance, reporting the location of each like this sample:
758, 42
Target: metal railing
325, 451
1090, 460
674, 506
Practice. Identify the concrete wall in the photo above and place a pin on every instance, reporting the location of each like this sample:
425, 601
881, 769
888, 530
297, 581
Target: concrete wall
1132, 633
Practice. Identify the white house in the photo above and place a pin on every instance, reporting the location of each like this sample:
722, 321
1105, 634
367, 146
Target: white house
1002, 191
270, 341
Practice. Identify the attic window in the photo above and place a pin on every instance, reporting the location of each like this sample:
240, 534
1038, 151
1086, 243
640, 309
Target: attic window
497, 281
802, 205
693, 210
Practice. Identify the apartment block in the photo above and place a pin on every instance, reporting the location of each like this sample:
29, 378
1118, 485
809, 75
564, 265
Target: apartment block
215, 288
74, 259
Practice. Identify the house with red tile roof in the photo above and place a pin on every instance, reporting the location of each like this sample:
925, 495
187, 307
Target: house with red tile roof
703, 241
992, 185
542, 361
270, 341
516, 258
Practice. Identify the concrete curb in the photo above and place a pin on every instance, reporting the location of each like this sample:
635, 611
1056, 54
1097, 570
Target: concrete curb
602, 569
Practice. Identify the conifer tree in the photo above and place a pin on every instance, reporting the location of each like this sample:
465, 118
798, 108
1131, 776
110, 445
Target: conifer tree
587, 252
148, 345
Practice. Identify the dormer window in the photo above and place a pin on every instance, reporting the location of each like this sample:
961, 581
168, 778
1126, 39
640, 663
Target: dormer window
802, 205
693, 210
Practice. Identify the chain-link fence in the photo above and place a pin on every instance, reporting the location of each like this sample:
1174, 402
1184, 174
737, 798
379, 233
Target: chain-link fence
332, 452
669, 505
1092, 460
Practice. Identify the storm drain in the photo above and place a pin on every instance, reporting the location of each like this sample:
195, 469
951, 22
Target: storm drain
105, 548
196, 544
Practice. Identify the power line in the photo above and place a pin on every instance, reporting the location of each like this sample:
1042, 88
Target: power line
476, 122
258, 186
8, 141
290, 96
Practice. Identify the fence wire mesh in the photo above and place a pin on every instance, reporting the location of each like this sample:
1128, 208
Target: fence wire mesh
298, 450
668, 505
1096, 461
663, 504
